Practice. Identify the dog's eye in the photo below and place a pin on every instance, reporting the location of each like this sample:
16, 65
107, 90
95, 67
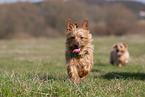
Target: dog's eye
72, 37
82, 37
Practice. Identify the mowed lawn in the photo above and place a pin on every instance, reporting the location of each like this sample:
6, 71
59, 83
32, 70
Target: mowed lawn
36, 67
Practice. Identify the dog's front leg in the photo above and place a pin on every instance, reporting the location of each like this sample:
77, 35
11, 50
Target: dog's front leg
85, 71
72, 73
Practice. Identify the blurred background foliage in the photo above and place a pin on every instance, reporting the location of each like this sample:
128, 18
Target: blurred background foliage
49, 18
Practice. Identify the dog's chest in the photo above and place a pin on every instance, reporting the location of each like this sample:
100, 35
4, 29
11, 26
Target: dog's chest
125, 56
83, 61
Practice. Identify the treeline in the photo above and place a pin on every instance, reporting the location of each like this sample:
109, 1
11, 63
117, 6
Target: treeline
49, 18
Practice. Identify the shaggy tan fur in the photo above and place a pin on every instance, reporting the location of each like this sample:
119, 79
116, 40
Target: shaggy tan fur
119, 54
79, 51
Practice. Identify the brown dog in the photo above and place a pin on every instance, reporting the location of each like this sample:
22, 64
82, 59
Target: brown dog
119, 55
79, 51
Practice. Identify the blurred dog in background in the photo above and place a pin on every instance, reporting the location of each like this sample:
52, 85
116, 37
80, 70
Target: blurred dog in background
119, 54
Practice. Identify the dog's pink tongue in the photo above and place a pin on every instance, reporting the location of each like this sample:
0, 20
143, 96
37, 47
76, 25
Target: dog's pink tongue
118, 53
76, 50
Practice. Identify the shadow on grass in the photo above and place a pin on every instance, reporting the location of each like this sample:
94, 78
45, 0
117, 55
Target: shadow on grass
124, 75
95, 70
101, 64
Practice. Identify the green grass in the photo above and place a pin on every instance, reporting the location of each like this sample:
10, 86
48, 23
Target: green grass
37, 68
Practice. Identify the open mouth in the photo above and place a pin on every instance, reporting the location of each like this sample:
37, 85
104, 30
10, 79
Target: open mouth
119, 53
77, 50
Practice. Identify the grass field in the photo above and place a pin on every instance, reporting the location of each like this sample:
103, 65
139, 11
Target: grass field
37, 68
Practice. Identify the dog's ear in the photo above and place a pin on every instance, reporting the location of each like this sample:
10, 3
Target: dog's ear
125, 44
76, 25
70, 26
85, 24
114, 46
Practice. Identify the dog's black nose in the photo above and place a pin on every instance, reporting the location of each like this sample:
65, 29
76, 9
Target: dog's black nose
117, 50
77, 45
